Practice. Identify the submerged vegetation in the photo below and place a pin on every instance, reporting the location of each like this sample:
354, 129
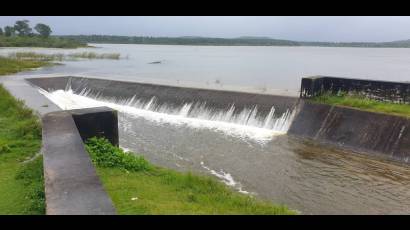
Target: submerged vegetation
33, 56
364, 103
93, 55
21, 174
12, 65
138, 187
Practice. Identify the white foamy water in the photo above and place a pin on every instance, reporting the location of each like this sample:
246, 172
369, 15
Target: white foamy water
225, 178
245, 124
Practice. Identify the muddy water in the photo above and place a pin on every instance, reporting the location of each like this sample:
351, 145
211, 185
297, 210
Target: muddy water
310, 178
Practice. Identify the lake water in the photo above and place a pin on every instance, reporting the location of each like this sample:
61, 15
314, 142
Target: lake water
262, 69
308, 177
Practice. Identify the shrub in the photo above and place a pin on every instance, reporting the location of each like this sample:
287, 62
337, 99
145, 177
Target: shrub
38, 41
104, 154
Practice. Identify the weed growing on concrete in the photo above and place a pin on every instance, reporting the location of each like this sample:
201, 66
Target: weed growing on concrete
363, 103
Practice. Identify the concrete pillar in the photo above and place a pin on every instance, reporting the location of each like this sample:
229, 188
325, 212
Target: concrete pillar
99, 122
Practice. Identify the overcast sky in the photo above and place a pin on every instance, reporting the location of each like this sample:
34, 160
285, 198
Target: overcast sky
339, 28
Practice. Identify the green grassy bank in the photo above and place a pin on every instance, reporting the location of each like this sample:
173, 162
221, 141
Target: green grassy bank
21, 173
38, 41
363, 103
21, 61
138, 187
33, 56
10, 65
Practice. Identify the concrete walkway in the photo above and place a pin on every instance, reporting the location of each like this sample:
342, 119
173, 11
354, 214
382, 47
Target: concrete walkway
72, 185
21, 89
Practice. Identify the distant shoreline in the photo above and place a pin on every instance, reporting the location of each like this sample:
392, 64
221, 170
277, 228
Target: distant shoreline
241, 41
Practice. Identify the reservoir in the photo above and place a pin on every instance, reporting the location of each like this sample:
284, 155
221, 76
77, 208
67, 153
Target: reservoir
254, 157
276, 70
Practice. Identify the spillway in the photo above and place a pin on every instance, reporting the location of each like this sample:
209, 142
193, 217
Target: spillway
243, 124
240, 139
256, 119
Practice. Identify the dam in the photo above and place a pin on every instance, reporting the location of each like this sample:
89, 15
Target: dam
252, 142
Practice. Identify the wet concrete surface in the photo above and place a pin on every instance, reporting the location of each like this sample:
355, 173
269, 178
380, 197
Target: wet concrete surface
170, 95
355, 129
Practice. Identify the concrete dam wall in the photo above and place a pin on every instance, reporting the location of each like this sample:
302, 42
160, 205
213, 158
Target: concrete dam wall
353, 129
169, 95
398, 92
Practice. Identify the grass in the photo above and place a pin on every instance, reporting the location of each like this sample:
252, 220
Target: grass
138, 187
363, 103
38, 41
21, 174
33, 56
93, 55
10, 66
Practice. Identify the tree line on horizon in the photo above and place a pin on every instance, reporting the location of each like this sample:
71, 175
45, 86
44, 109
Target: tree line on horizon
115, 39
22, 35
244, 41
22, 28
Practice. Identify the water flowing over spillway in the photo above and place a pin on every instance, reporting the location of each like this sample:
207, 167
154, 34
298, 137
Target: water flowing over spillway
246, 149
245, 124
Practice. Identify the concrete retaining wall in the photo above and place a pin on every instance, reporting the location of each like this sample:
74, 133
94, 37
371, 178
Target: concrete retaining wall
170, 95
354, 129
72, 186
379, 90
97, 122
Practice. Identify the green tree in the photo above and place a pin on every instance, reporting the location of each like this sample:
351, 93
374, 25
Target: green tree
22, 27
43, 29
8, 31
1, 32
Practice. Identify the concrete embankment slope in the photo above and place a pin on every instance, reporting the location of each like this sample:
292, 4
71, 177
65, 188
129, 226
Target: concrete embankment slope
169, 95
353, 129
